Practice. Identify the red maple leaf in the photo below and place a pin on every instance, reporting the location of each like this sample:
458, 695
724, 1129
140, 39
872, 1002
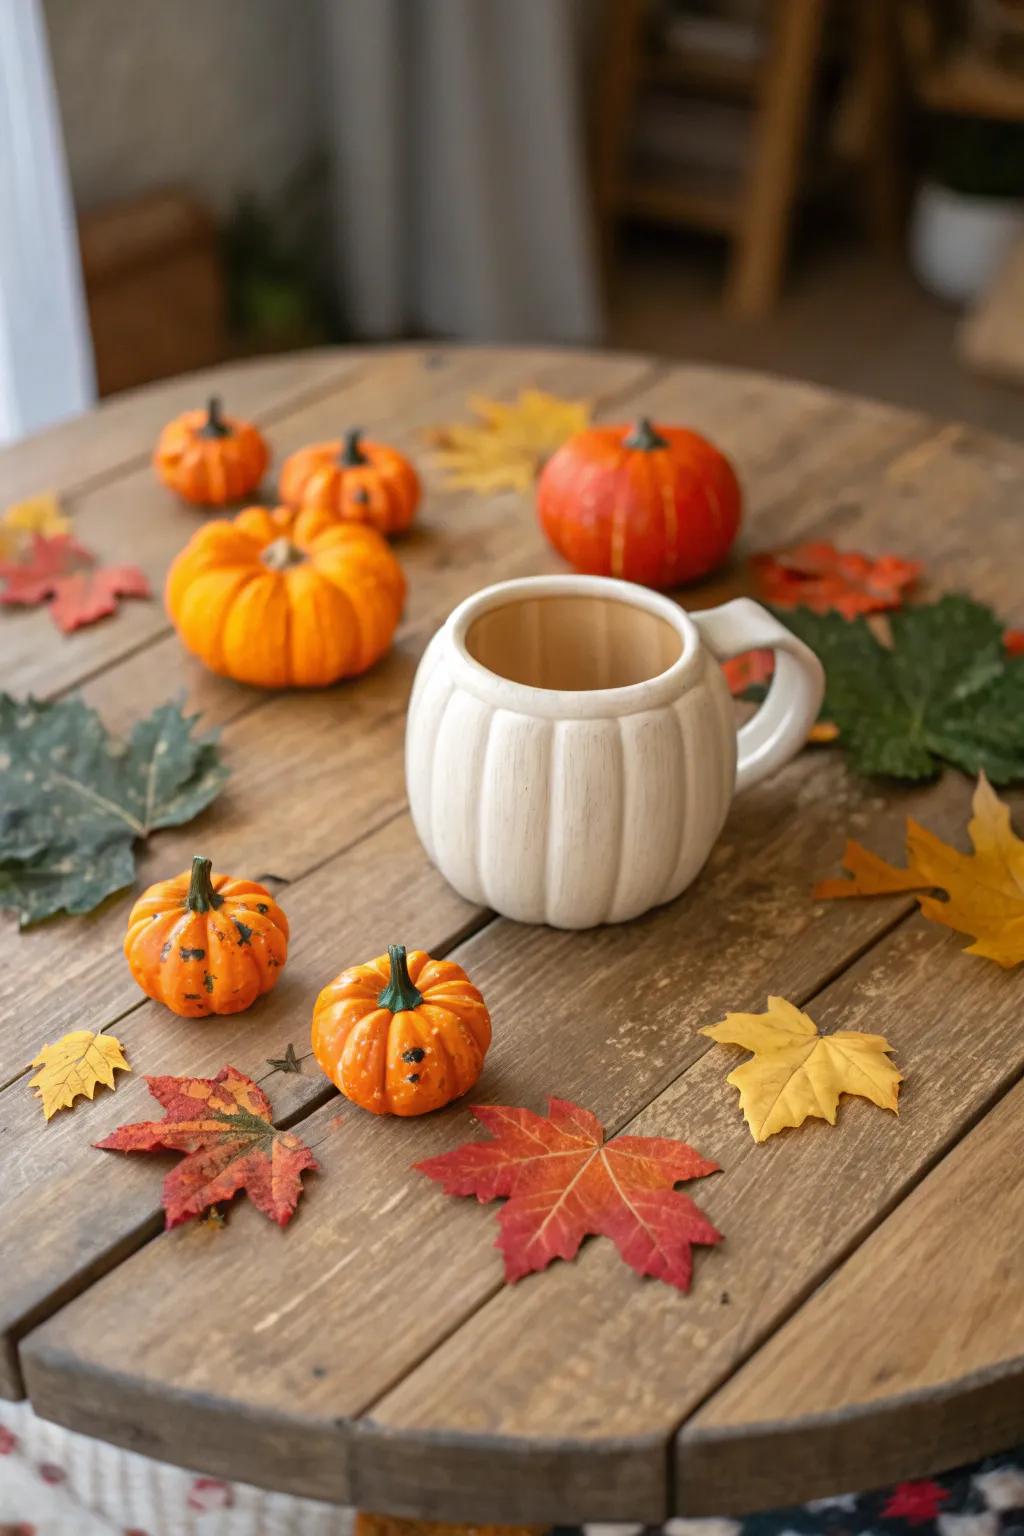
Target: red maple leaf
752, 669
564, 1181
1013, 640
63, 573
917, 1503
820, 577
224, 1124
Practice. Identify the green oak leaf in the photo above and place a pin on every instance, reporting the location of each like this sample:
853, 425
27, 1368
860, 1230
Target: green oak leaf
74, 798
945, 692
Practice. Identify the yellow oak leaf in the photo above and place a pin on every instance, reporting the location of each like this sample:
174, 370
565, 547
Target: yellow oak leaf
507, 446
796, 1072
74, 1066
37, 514
985, 890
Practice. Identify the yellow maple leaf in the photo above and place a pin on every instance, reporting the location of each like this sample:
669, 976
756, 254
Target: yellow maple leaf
506, 447
796, 1072
74, 1066
37, 514
985, 889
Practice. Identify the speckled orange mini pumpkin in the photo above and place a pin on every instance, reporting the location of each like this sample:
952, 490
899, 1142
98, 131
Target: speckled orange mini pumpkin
204, 943
402, 1035
269, 600
354, 481
210, 458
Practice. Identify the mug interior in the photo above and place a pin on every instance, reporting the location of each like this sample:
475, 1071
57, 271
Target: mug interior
574, 644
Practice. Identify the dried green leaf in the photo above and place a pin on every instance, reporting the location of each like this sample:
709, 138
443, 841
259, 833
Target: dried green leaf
946, 691
74, 798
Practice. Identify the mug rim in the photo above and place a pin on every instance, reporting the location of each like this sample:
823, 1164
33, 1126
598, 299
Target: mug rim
555, 703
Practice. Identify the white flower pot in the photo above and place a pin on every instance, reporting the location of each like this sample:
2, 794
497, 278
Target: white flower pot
958, 243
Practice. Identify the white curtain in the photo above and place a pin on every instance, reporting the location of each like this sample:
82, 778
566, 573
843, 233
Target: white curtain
46, 370
459, 190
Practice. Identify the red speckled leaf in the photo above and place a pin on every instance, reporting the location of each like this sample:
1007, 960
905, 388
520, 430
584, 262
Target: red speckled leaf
820, 577
563, 1182
224, 1126
752, 669
63, 574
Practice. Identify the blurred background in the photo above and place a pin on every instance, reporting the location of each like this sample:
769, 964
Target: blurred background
828, 190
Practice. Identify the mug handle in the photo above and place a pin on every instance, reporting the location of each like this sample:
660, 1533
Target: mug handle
781, 726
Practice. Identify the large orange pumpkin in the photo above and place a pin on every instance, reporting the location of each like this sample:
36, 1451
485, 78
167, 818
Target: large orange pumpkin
355, 480
210, 458
402, 1035
204, 943
655, 505
266, 600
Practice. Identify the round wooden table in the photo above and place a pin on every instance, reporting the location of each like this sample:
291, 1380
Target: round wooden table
863, 1321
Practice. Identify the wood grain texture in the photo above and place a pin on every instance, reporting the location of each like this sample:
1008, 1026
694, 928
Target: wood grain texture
340, 747
925, 1366
617, 1011
537, 1363
70, 1212
120, 433
402, 393
561, 1397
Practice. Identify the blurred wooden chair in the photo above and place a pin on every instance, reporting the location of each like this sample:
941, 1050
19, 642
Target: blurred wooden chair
754, 212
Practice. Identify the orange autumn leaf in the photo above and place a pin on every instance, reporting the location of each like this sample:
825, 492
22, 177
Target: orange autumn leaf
827, 580
751, 669
225, 1127
984, 889
755, 670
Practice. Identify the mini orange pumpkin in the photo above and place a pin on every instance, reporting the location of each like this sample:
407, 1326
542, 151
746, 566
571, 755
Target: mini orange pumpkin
209, 458
656, 505
402, 1035
205, 943
263, 600
355, 481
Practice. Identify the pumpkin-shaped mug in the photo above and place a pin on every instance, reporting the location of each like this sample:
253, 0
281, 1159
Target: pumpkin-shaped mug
571, 745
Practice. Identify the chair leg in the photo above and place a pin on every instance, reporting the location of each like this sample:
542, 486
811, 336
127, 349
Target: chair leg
618, 69
760, 249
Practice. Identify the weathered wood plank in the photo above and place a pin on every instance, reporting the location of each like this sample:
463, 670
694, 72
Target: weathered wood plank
540, 1361
541, 1365
69, 1212
786, 840
401, 393
338, 749
925, 1364
121, 432
573, 1007
51, 972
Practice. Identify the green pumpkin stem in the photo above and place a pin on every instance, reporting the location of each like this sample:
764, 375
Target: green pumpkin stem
645, 436
352, 453
399, 994
201, 895
215, 425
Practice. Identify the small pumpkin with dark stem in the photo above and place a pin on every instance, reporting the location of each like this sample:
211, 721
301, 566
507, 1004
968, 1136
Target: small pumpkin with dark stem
353, 480
204, 943
267, 599
656, 505
403, 1034
209, 458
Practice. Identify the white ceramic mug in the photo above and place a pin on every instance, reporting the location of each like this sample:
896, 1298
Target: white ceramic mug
571, 746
